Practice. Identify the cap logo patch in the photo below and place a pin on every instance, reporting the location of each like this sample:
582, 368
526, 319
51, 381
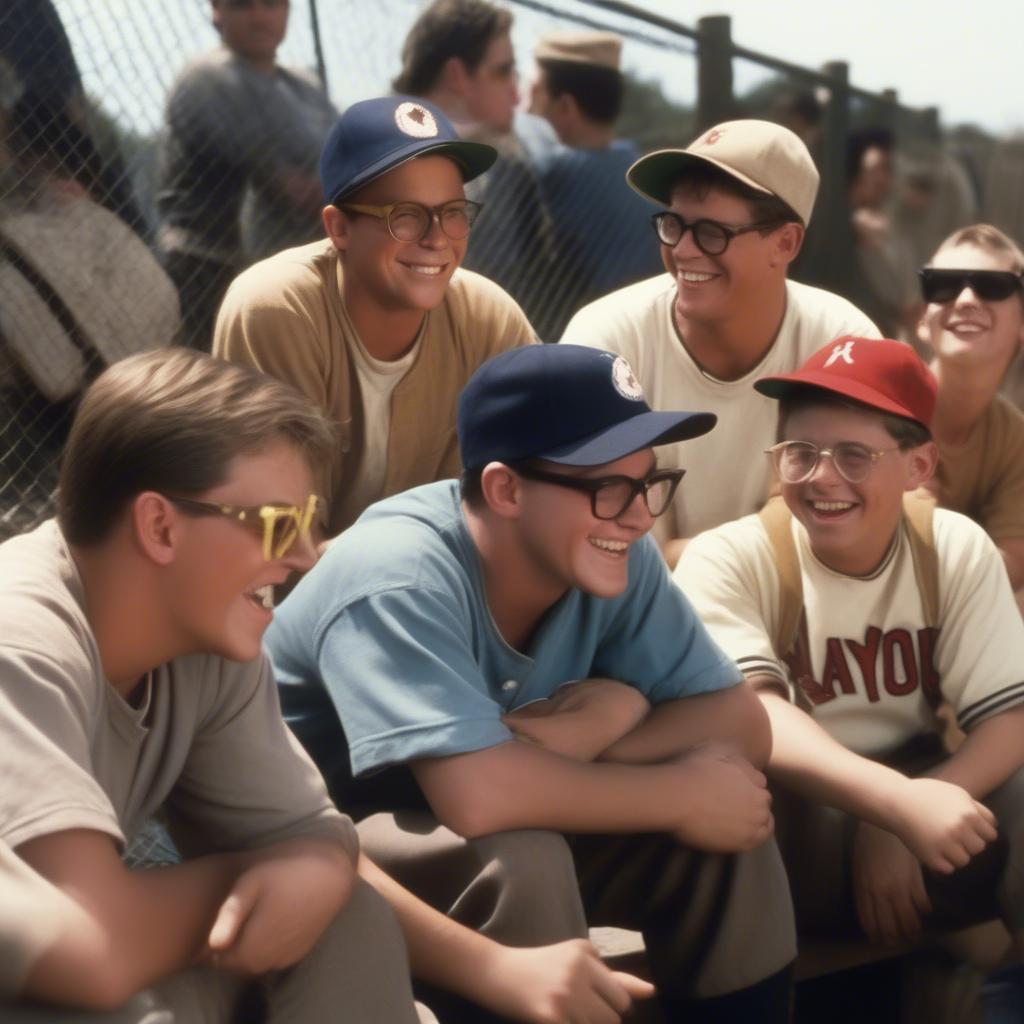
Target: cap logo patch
844, 352
625, 380
414, 120
713, 136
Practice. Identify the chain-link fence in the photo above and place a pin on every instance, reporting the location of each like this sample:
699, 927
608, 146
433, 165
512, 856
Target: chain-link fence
132, 189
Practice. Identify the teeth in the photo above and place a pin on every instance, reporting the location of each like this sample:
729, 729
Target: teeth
832, 506
693, 277
428, 271
264, 595
618, 546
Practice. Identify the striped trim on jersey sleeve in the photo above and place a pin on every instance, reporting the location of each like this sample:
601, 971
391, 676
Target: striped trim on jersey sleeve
753, 665
1005, 698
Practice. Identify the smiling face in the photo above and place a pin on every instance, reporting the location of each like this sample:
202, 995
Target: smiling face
566, 545
715, 288
851, 526
218, 584
970, 331
386, 274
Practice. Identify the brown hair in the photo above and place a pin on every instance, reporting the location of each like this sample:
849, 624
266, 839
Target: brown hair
172, 421
905, 432
698, 178
446, 29
987, 237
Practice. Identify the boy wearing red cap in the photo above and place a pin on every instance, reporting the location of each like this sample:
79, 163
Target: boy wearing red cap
854, 613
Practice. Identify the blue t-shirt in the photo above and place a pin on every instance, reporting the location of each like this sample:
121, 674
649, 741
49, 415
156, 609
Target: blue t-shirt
394, 622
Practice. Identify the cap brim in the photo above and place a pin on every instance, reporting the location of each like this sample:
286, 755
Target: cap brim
644, 430
814, 380
652, 175
473, 159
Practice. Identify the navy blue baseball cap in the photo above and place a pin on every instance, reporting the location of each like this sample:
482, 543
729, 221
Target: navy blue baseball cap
564, 403
374, 136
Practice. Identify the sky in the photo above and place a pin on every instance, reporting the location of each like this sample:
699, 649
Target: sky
964, 58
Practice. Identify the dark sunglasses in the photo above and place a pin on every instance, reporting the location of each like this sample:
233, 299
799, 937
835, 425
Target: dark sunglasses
989, 285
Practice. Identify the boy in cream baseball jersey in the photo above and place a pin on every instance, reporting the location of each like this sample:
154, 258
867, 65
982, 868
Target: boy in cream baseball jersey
891, 606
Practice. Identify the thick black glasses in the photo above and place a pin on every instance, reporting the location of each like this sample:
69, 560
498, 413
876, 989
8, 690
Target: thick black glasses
711, 237
411, 222
610, 496
989, 285
795, 461
281, 525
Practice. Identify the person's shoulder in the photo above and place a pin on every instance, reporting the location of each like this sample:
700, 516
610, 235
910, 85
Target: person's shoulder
416, 538
305, 271
821, 312
42, 603
731, 544
216, 68
1004, 417
474, 301
635, 304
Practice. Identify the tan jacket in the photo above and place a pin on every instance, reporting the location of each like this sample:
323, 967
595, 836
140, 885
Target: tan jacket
285, 316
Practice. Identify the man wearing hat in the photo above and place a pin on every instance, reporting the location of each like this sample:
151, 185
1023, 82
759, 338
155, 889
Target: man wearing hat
376, 324
736, 202
511, 663
854, 612
599, 224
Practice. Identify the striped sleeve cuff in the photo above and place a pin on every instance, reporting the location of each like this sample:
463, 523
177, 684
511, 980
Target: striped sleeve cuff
990, 705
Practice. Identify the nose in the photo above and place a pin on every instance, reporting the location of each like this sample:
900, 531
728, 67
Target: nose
829, 475
636, 515
435, 238
967, 297
302, 555
687, 245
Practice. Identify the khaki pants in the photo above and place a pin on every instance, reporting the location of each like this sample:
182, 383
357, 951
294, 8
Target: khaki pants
357, 973
712, 924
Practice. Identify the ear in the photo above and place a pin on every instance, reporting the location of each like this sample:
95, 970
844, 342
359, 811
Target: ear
923, 462
454, 77
502, 490
336, 224
924, 335
788, 240
156, 527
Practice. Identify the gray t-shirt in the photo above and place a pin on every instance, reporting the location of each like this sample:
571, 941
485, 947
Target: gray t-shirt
238, 140
206, 742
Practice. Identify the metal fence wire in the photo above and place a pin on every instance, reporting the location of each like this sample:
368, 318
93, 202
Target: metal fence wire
93, 269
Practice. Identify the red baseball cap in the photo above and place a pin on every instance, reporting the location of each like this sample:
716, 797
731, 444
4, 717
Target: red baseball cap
884, 374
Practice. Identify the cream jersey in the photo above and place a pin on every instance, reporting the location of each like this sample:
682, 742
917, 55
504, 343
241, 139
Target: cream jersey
637, 322
865, 662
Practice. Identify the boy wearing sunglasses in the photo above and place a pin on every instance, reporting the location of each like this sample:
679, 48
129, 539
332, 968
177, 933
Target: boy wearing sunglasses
737, 200
974, 326
132, 682
855, 613
530, 706
376, 324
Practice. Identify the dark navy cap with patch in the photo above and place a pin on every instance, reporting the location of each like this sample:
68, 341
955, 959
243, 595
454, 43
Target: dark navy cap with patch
374, 136
570, 404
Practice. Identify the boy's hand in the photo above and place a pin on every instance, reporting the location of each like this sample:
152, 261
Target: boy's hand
941, 823
562, 984
727, 806
582, 719
282, 900
888, 886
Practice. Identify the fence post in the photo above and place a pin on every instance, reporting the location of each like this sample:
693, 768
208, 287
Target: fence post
832, 210
714, 71
318, 47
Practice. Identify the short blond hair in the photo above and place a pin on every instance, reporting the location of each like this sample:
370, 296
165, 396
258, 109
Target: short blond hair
989, 238
172, 421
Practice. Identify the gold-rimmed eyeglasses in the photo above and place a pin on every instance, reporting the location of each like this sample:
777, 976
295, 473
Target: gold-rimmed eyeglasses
411, 222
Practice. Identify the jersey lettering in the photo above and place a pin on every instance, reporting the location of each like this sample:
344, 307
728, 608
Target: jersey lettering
890, 661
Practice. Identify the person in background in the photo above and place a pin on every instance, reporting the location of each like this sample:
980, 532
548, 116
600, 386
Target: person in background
238, 157
599, 224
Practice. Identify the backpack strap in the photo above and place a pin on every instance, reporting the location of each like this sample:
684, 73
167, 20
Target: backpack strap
918, 509
777, 522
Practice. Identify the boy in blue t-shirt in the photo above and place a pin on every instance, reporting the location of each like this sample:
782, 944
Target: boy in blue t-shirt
585, 752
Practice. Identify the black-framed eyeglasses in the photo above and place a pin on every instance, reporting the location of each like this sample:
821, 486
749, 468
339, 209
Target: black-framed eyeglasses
610, 496
710, 236
796, 461
242, 5
281, 525
942, 285
411, 222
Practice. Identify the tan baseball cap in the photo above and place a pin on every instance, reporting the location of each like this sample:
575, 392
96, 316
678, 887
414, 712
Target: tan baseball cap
600, 49
761, 154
